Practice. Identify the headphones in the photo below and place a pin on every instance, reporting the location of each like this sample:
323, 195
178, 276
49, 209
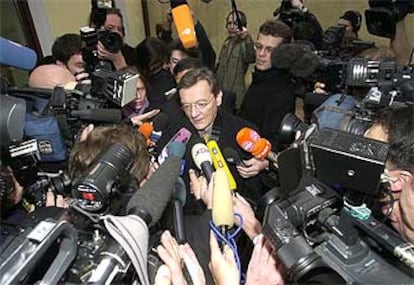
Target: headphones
359, 20
242, 17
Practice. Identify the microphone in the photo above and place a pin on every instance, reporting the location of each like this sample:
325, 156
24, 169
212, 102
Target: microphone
159, 123
182, 136
220, 163
152, 131
260, 148
147, 204
16, 55
150, 201
146, 130
179, 199
99, 115
232, 156
202, 158
184, 23
222, 204
296, 58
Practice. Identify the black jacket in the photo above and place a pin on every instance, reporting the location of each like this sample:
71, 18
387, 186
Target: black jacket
159, 83
268, 99
225, 129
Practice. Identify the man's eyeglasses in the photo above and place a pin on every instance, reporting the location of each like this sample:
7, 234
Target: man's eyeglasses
200, 105
259, 47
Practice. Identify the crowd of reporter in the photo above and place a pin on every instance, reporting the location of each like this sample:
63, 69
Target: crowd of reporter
181, 83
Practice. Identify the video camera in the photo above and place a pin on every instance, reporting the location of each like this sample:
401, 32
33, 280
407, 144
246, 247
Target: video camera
382, 16
375, 85
288, 14
321, 222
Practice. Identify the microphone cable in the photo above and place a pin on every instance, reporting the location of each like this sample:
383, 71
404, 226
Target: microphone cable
230, 241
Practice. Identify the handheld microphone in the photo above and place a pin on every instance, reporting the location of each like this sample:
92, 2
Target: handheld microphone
182, 136
220, 163
232, 156
260, 148
99, 115
222, 204
184, 23
16, 55
202, 159
179, 199
159, 123
146, 130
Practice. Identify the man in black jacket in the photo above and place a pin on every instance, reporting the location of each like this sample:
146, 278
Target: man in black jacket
201, 98
271, 93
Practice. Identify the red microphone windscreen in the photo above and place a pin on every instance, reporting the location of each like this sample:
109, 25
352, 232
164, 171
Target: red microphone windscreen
146, 130
246, 138
261, 149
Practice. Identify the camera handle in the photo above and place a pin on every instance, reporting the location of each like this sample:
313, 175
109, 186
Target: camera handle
29, 252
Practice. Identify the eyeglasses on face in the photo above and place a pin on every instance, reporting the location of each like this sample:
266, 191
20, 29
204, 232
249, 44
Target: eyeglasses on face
200, 105
259, 47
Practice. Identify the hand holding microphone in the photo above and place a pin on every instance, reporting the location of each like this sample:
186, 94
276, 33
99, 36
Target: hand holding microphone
250, 141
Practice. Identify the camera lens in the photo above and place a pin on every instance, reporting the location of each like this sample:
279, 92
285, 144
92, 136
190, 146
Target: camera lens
111, 41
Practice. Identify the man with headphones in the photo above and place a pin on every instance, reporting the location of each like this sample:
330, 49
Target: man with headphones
237, 52
352, 22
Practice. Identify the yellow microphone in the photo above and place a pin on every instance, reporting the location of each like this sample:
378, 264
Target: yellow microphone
220, 163
222, 204
184, 23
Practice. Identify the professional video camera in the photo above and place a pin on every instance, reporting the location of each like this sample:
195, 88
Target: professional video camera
375, 85
335, 45
321, 221
102, 187
288, 14
107, 178
382, 16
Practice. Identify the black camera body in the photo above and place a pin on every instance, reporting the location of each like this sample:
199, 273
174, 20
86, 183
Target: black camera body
382, 16
89, 40
289, 14
321, 224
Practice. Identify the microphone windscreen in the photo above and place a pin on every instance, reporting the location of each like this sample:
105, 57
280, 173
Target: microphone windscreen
160, 121
176, 149
153, 197
184, 23
262, 149
200, 154
246, 138
222, 203
299, 60
146, 129
16, 55
180, 191
106, 115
